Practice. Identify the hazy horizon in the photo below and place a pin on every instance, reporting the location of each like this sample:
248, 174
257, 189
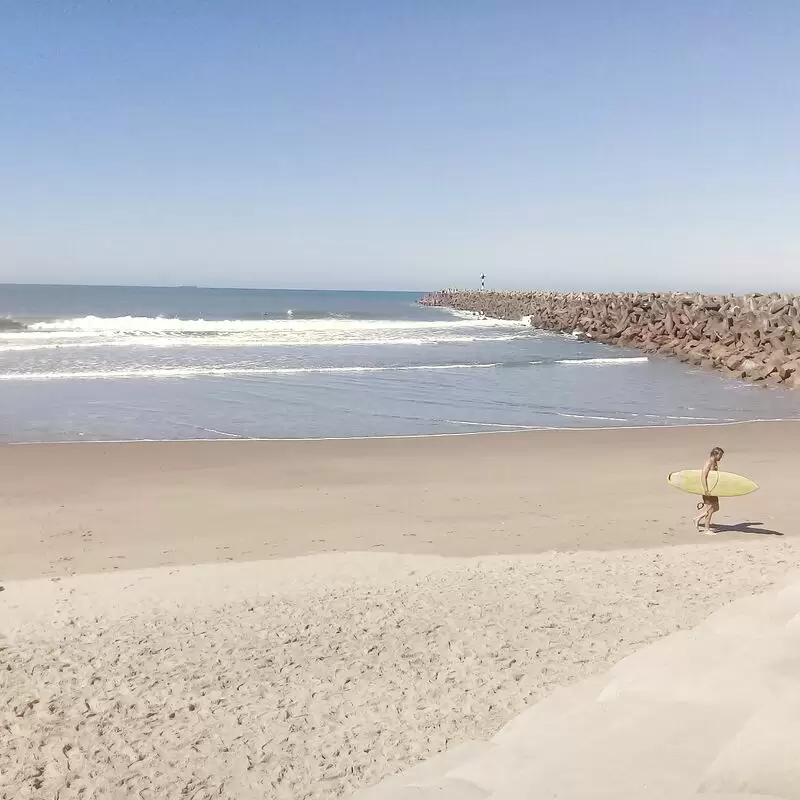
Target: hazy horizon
580, 145
429, 290
367, 290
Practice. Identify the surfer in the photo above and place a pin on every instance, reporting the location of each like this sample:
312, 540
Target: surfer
710, 504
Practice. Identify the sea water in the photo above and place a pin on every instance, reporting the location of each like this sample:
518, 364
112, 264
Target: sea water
128, 363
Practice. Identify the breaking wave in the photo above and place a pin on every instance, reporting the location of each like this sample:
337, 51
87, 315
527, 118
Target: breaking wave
248, 341
600, 361
164, 332
243, 371
150, 325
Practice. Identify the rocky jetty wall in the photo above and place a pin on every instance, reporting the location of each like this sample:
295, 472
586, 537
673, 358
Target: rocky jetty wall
753, 337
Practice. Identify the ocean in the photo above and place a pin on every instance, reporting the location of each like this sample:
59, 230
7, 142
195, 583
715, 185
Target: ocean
140, 363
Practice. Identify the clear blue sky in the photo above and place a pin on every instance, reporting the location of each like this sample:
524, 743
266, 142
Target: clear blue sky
401, 144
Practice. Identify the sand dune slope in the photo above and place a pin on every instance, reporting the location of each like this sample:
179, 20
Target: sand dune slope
313, 677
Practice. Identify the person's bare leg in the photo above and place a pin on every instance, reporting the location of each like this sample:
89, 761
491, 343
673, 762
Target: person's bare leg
701, 516
712, 509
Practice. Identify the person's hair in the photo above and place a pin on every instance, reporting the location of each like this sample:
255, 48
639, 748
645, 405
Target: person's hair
717, 452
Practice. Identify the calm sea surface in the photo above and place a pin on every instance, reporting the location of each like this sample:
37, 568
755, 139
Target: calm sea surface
108, 363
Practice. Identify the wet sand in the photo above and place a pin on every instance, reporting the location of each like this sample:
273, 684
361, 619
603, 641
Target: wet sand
76, 508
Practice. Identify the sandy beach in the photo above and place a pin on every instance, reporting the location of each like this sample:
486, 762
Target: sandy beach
76, 508
300, 619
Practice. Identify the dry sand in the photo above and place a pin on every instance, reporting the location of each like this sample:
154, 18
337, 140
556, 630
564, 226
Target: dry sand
308, 677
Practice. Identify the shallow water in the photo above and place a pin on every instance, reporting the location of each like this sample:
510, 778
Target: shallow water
109, 363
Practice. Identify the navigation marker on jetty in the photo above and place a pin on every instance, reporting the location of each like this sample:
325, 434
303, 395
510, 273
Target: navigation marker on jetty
483, 281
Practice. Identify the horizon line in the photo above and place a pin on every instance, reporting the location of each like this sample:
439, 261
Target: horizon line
201, 286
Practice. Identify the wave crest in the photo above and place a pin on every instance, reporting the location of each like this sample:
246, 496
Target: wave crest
233, 371
599, 361
150, 325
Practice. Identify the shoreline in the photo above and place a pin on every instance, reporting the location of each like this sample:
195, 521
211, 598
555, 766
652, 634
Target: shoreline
385, 437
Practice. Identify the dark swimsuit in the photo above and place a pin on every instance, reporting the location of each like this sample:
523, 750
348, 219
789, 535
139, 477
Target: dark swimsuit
709, 500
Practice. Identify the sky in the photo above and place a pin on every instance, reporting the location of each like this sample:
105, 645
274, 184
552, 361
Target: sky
595, 144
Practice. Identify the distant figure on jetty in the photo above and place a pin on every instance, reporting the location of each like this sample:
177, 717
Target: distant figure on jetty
483, 282
710, 503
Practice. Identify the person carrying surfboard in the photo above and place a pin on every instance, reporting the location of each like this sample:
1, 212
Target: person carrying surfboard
710, 504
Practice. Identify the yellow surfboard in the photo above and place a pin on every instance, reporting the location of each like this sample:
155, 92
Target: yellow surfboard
720, 484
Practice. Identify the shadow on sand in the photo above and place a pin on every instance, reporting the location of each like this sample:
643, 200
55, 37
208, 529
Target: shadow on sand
746, 527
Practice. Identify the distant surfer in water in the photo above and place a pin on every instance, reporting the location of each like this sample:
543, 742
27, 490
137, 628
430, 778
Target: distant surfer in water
710, 504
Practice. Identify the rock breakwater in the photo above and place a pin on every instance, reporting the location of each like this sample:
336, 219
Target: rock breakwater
753, 337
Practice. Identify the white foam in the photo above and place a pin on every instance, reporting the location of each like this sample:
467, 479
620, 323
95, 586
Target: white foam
136, 325
200, 371
209, 371
686, 419
462, 314
599, 361
478, 315
57, 341
493, 425
163, 332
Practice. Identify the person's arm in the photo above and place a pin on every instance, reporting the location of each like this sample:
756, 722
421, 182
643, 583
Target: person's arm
704, 476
